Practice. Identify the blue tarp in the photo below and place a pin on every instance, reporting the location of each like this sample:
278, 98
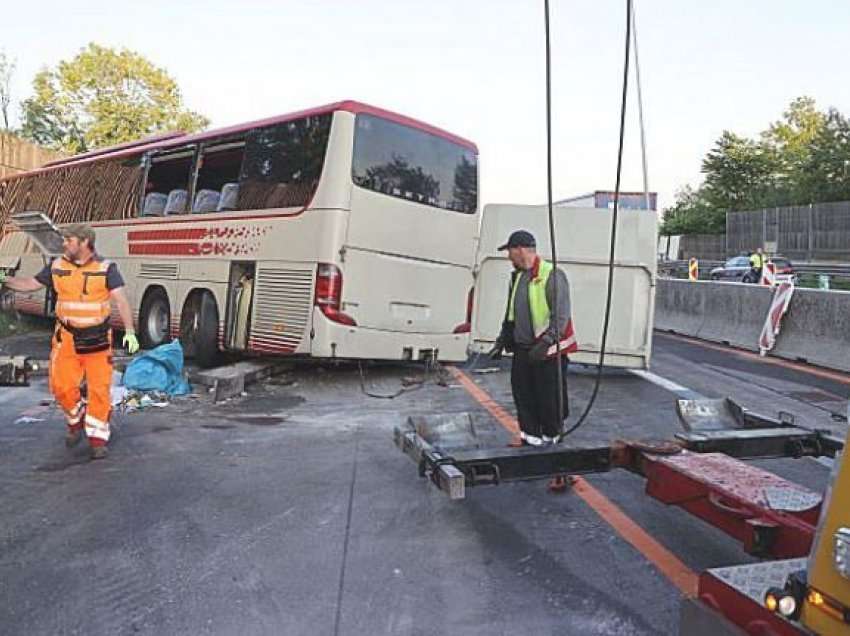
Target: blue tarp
159, 369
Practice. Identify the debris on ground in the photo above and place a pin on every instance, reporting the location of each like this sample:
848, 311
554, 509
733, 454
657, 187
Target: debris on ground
158, 370
140, 400
29, 420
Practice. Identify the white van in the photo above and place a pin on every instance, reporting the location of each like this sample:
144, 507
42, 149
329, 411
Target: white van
583, 244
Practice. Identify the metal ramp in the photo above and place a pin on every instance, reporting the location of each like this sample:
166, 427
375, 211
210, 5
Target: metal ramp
698, 470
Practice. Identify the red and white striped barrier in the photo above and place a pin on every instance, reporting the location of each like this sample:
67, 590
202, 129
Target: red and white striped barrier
773, 322
693, 269
768, 274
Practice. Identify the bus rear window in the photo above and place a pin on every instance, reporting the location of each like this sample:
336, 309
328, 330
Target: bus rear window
411, 164
282, 164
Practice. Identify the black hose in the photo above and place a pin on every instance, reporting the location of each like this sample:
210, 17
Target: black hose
610, 290
551, 215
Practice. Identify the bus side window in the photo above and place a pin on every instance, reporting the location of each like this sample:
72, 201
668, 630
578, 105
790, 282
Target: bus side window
283, 163
167, 186
218, 168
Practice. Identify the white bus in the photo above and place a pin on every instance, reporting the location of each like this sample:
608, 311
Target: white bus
344, 231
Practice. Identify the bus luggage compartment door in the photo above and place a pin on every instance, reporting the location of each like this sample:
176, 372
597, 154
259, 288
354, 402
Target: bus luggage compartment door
240, 298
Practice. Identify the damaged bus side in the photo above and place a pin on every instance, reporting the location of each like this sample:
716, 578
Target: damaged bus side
343, 231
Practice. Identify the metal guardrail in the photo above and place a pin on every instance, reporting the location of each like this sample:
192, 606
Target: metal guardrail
679, 269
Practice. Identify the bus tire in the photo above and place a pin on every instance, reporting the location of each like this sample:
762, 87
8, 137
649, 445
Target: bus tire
199, 329
154, 319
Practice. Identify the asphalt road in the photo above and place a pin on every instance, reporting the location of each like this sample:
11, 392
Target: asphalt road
290, 511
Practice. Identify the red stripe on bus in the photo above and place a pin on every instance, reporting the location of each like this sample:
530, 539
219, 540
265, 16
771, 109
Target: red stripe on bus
188, 234
164, 249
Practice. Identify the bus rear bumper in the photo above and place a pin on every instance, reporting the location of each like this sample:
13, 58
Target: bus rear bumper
333, 340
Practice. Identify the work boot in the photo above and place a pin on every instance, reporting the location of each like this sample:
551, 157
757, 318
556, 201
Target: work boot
98, 452
73, 436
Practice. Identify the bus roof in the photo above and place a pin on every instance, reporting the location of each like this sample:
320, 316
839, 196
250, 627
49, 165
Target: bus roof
179, 138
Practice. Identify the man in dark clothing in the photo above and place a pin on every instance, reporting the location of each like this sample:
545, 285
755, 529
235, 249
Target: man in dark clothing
532, 332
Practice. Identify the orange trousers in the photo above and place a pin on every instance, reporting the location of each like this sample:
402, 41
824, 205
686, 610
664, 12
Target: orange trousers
67, 370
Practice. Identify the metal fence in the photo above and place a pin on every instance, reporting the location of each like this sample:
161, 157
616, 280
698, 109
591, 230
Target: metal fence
817, 232
708, 246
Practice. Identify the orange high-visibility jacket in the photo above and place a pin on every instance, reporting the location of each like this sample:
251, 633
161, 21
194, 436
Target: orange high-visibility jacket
82, 295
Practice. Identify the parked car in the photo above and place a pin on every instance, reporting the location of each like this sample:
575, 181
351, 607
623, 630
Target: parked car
784, 269
735, 269
738, 269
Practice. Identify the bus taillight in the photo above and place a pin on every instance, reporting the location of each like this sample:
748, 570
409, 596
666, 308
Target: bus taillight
466, 327
329, 294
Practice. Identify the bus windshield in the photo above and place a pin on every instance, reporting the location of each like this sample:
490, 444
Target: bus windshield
411, 164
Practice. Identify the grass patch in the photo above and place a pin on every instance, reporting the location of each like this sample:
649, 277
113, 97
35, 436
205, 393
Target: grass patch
810, 281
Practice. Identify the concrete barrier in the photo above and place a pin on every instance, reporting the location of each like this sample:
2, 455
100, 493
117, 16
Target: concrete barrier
679, 306
734, 313
816, 328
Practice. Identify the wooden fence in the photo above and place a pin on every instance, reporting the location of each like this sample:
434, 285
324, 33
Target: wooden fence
18, 155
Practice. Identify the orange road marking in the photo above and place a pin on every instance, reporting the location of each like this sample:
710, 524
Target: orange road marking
837, 376
482, 397
665, 561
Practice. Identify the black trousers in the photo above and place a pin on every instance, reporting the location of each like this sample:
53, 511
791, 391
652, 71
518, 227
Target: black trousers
534, 386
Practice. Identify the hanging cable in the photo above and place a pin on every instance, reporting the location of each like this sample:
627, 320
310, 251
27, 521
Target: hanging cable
646, 198
614, 216
432, 368
552, 241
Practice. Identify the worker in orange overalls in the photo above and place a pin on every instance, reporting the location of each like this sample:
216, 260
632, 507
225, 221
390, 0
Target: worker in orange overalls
85, 286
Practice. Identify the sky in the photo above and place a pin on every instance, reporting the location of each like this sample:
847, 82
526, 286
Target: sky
476, 68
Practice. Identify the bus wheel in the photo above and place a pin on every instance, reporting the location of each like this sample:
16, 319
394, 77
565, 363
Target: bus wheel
154, 319
199, 329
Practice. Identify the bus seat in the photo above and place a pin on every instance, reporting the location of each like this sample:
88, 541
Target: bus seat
154, 204
177, 200
229, 197
206, 201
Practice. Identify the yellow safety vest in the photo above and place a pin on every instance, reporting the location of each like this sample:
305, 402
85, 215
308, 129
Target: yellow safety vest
539, 307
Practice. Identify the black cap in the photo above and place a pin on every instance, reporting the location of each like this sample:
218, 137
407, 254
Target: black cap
520, 238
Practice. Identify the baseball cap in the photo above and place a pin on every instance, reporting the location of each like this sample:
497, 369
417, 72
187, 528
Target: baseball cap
520, 238
78, 230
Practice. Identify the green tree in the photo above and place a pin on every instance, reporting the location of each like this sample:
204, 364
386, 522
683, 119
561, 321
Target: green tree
739, 173
790, 140
103, 97
825, 173
693, 214
802, 158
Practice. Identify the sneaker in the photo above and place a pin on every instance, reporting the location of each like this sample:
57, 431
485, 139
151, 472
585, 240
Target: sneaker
98, 452
73, 437
533, 440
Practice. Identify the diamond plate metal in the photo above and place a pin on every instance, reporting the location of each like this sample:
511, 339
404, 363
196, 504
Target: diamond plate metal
791, 499
754, 579
745, 481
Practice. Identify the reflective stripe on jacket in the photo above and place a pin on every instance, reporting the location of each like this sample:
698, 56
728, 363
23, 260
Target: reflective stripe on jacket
82, 296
